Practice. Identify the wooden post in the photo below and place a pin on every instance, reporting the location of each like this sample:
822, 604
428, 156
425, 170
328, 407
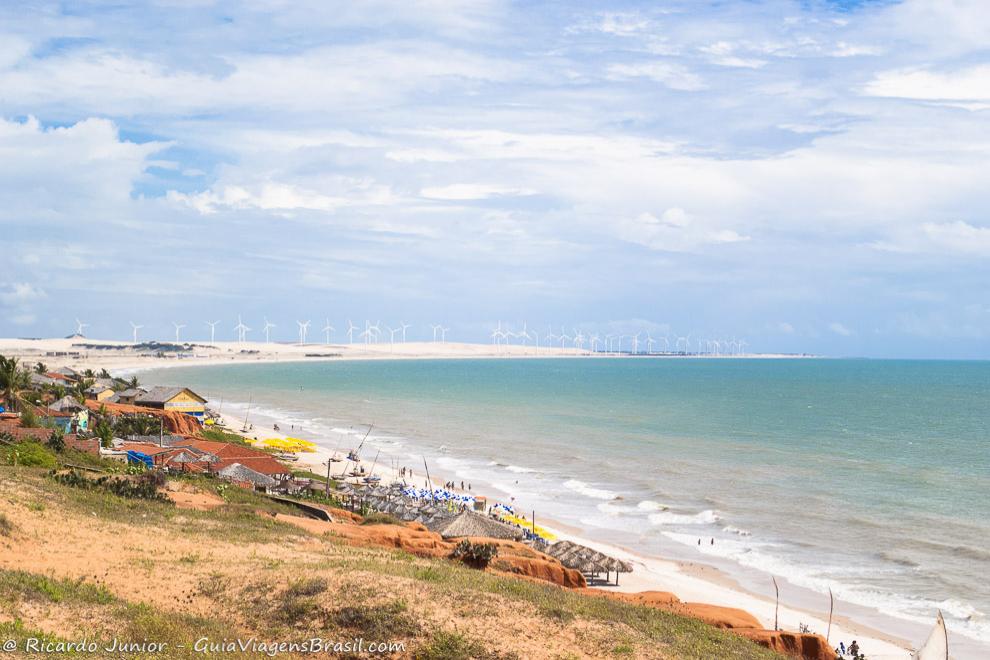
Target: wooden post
326, 490
831, 607
534, 522
776, 607
429, 484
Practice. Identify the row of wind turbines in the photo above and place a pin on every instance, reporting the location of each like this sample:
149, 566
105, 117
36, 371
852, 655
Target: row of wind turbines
371, 334
502, 338
617, 342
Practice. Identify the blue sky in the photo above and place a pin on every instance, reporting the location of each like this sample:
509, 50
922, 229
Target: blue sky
809, 176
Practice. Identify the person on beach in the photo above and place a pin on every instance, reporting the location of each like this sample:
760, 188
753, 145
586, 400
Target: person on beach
854, 649
842, 648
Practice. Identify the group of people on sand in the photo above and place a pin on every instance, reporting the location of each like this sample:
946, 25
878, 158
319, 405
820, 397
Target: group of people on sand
851, 651
451, 485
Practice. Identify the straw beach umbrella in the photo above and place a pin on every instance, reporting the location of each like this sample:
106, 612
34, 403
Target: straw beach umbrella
468, 523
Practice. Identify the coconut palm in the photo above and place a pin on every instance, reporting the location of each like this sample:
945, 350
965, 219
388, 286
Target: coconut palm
13, 379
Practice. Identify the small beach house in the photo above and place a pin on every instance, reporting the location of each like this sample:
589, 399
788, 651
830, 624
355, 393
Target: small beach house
174, 399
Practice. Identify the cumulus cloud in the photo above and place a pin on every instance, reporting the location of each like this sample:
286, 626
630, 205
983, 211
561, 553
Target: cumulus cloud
839, 329
969, 84
20, 293
471, 191
675, 231
674, 76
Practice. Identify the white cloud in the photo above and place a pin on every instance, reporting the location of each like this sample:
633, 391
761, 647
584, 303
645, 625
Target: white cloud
674, 76
967, 84
20, 293
469, 191
785, 328
840, 329
280, 197
675, 231
942, 238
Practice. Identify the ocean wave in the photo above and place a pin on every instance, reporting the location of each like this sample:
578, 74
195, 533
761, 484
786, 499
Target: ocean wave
960, 617
590, 491
706, 517
519, 470
729, 529
646, 506
343, 431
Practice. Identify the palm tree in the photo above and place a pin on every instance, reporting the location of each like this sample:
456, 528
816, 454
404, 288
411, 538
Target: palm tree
134, 382
13, 379
41, 368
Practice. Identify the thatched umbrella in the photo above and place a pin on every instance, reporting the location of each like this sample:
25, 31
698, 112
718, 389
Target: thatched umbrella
468, 523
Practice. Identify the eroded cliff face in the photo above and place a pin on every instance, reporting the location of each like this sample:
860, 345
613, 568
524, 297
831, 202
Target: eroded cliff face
522, 561
799, 645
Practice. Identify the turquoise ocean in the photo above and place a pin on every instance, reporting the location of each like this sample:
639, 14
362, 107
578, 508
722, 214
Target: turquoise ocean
871, 478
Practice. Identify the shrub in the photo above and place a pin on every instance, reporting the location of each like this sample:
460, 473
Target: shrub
56, 440
377, 622
477, 555
454, 646
306, 587
30, 453
6, 527
142, 489
29, 419
375, 518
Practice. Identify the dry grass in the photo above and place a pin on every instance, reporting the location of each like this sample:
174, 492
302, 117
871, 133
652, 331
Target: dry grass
234, 572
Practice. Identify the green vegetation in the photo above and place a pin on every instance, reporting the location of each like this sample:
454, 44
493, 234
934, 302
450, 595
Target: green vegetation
29, 586
13, 379
56, 440
29, 419
477, 555
220, 435
377, 623
446, 645
376, 518
28, 453
131, 622
142, 488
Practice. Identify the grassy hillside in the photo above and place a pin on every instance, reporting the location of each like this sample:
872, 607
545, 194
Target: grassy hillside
80, 563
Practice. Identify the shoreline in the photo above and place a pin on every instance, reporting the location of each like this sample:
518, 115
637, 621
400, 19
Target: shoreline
689, 580
692, 581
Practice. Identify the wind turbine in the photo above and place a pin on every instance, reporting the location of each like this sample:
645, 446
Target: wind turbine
303, 328
405, 326
178, 327
329, 330
213, 329
80, 326
524, 334
242, 329
563, 337
550, 338
593, 340
268, 327
134, 329
649, 343
350, 331
435, 329
578, 339
391, 336
443, 335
